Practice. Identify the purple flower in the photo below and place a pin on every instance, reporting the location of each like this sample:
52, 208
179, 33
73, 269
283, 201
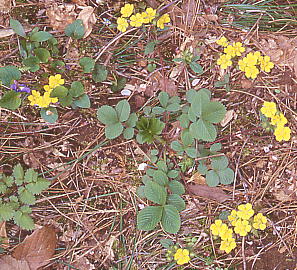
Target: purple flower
20, 87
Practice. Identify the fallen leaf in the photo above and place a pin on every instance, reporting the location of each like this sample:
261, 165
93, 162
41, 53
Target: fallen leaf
169, 86
4, 243
88, 18
38, 248
212, 193
7, 262
246, 84
228, 117
197, 178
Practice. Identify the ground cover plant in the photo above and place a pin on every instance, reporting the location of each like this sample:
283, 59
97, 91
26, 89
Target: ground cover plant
148, 135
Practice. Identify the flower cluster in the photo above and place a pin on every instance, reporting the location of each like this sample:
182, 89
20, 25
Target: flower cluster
278, 121
43, 101
182, 256
138, 19
243, 221
251, 64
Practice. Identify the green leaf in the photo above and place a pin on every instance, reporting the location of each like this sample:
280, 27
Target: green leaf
184, 120
42, 54
66, 101
18, 173
226, 176
118, 84
6, 212
26, 196
99, 73
128, 133
166, 243
49, 115
149, 217
202, 168
174, 107
83, 102
197, 68
146, 179
200, 102
177, 201
23, 220
160, 177
17, 27
151, 67
32, 62
219, 163
191, 152
8, 180
140, 192
149, 47
39, 186
58, 66
8, 74
170, 219
77, 89
30, 176
162, 166
163, 98
158, 110
155, 192
215, 147
59, 92
173, 174
75, 30
186, 137
10, 100
206, 131
132, 120
214, 112
3, 188
113, 131
107, 115
176, 187
123, 110
212, 178
176, 146
87, 63
41, 36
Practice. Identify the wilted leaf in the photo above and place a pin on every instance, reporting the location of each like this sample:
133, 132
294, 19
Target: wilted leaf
7, 262
212, 193
38, 248
88, 18
228, 117
4, 243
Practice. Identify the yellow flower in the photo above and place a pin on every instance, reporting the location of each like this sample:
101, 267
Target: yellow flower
265, 63
226, 234
34, 97
122, 24
245, 211
163, 19
148, 15
47, 88
224, 61
227, 245
238, 49
136, 20
260, 222
252, 58
233, 217
55, 81
218, 227
230, 50
282, 133
242, 227
269, 109
182, 256
222, 42
127, 10
279, 120
251, 72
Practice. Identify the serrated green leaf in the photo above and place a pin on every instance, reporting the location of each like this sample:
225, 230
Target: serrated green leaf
177, 201
146, 178
184, 120
107, 115
3, 188
10, 100
77, 89
42, 54
75, 30
41, 36
123, 110
149, 217
8, 74
140, 192
176, 187
160, 177
18, 173
174, 107
17, 27
176, 146
83, 102
132, 120
206, 131
202, 168
113, 131
215, 147
6, 212
173, 174
163, 99
212, 178
170, 219
219, 163
200, 103
187, 138
26, 196
191, 152
87, 63
155, 192
30, 176
162, 166
23, 220
128, 133
158, 110
226, 176
49, 115
99, 73
214, 112
39, 186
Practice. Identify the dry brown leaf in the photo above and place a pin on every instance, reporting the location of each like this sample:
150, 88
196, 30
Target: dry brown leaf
37, 248
228, 117
197, 178
88, 18
60, 16
246, 84
169, 86
7, 262
213, 193
4, 243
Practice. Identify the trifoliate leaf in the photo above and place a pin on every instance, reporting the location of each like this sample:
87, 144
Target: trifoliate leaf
39, 186
23, 220
26, 196
30, 176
